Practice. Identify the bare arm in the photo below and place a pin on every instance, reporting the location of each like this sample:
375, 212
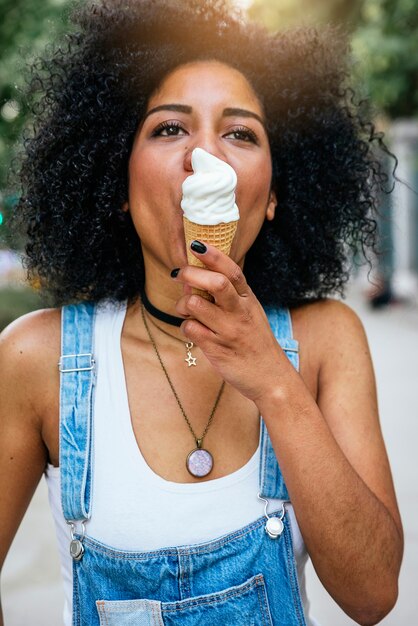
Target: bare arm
330, 448
336, 469
23, 454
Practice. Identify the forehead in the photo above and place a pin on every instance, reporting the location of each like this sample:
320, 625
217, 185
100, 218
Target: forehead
208, 83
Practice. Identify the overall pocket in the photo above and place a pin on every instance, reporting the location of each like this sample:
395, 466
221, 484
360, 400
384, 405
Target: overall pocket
246, 605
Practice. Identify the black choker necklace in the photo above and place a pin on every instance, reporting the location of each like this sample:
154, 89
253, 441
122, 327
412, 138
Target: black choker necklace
160, 315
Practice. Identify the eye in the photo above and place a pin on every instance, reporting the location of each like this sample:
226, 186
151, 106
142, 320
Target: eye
167, 129
244, 134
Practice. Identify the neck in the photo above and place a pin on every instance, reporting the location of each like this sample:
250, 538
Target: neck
163, 318
161, 290
159, 314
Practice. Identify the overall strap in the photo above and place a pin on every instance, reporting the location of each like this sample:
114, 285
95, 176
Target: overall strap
77, 378
271, 483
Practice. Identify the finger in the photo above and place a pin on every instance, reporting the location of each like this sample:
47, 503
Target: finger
213, 282
195, 307
198, 333
218, 261
187, 290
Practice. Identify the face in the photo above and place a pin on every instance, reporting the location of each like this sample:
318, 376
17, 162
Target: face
212, 106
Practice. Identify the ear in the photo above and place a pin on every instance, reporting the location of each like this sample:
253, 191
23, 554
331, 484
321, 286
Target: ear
271, 207
125, 207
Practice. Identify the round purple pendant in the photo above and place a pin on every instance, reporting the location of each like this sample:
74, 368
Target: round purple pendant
199, 462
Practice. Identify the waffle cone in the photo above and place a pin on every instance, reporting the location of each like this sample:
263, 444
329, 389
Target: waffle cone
218, 235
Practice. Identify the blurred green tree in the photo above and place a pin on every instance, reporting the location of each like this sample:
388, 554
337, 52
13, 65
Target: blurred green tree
386, 45
385, 42
26, 26
279, 14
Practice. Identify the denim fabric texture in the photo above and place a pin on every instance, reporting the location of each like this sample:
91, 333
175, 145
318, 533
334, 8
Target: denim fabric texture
243, 578
77, 382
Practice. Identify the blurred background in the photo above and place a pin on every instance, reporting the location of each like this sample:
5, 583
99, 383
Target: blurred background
384, 36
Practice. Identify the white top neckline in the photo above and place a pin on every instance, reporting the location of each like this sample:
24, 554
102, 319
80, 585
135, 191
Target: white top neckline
133, 449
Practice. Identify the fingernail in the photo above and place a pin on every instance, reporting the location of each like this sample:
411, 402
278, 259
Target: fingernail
198, 246
174, 272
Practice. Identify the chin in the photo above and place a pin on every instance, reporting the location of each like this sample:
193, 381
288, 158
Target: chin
234, 253
181, 254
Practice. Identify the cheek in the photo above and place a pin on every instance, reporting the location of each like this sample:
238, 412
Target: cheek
145, 177
253, 193
253, 189
153, 201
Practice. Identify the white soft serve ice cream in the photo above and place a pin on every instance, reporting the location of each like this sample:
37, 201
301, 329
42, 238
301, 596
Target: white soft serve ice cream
209, 193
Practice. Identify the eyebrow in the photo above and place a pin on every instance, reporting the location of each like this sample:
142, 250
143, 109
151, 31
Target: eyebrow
184, 108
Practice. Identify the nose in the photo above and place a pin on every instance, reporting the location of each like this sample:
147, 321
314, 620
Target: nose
207, 142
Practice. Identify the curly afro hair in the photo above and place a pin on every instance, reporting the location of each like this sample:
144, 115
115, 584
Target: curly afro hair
89, 95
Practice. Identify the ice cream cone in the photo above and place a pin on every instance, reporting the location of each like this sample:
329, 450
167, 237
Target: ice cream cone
218, 235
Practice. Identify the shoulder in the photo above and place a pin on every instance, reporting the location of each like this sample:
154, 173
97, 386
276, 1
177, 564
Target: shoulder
325, 320
347, 394
29, 333
29, 353
328, 331
32, 339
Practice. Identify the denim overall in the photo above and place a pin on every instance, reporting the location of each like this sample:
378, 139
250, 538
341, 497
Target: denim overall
244, 578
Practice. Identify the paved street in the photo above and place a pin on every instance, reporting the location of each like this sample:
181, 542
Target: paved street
31, 574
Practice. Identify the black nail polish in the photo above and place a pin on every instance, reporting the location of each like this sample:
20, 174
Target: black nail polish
175, 272
198, 246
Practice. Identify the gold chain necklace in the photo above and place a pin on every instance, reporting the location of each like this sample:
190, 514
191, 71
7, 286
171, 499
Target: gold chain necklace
190, 359
199, 462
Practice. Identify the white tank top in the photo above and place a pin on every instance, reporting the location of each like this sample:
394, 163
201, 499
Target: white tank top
128, 496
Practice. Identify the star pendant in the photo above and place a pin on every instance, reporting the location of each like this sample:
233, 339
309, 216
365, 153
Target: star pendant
191, 360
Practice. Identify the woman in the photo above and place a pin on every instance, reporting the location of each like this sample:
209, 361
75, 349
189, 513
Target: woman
149, 539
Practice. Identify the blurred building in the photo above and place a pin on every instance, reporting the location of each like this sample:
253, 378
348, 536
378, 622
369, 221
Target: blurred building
404, 144
11, 270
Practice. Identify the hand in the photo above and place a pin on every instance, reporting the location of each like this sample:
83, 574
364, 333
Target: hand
233, 332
